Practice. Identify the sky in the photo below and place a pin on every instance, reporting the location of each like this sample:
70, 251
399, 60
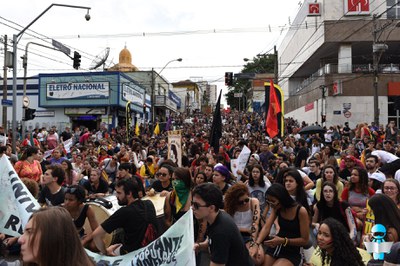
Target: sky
211, 37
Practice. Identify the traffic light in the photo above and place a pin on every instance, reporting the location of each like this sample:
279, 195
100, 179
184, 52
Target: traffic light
144, 108
77, 60
323, 118
228, 78
29, 114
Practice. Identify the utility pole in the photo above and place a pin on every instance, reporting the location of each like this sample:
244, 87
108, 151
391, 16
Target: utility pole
5, 84
275, 65
153, 108
378, 48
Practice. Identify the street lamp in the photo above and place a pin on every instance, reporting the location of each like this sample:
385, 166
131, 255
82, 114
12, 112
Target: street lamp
15, 44
153, 88
178, 60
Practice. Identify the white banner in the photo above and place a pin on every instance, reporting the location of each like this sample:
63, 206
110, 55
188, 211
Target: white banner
16, 202
174, 247
84, 90
68, 145
241, 162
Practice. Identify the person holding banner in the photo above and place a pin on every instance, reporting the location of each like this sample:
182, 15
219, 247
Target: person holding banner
224, 240
43, 243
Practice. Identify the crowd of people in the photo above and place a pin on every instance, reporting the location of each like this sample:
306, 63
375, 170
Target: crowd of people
300, 199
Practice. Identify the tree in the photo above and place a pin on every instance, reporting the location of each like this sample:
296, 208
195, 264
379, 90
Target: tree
259, 64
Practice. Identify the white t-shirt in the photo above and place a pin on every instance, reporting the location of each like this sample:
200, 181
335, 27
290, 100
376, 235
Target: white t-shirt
385, 157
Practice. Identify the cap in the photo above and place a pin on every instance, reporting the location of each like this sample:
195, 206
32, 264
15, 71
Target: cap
350, 157
223, 171
256, 157
378, 176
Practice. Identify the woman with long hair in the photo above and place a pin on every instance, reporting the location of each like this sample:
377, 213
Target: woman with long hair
335, 248
295, 186
244, 210
358, 192
45, 244
329, 174
330, 206
293, 220
387, 214
28, 166
391, 187
257, 185
71, 177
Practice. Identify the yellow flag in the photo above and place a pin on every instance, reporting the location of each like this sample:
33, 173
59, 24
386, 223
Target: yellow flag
157, 130
137, 130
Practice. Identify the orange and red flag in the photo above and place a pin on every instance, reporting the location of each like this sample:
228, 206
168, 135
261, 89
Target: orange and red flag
274, 108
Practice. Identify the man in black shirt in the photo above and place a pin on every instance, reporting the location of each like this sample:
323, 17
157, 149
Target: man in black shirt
302, 154
133, 219
52, 193
224, 240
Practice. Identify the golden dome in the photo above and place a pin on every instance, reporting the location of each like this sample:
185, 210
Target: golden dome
125, 62
125, 56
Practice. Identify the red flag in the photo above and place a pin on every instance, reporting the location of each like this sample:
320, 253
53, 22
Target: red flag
274, 108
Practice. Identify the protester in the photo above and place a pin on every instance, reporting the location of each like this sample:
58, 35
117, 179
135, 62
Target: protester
163, 184
133, 218
28, 166
223, 237
43, 243
74, 202
221, 177
52, 193
244, 210
97, 186
177, 202
391, 187
293, 221
335, 247
358, 192
328, 174
386, 213
330, 206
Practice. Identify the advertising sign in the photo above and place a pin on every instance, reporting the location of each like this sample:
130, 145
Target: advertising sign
356, 7
131, 93
79, 90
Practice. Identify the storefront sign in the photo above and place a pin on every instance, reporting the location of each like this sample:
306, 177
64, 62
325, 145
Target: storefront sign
45, 113
175, 98
79, 90
131, 93
85, 111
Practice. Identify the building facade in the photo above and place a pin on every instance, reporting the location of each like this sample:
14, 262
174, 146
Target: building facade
326, 62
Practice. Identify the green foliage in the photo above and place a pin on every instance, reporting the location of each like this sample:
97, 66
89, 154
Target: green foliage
257, 65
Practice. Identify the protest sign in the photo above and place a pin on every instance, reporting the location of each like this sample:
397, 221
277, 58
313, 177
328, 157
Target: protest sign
16, 202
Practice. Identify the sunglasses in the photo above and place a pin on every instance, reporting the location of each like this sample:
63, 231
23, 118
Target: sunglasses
243, 202
197, 206
161, 174
71, 190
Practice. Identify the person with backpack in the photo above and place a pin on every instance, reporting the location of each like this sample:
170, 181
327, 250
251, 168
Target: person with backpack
137, 218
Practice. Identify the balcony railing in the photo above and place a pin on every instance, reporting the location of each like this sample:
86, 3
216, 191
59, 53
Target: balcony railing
333, 69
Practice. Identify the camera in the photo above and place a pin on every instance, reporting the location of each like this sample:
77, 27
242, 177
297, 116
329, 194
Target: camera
87, 17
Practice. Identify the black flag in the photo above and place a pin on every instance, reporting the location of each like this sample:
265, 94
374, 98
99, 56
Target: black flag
216, 127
